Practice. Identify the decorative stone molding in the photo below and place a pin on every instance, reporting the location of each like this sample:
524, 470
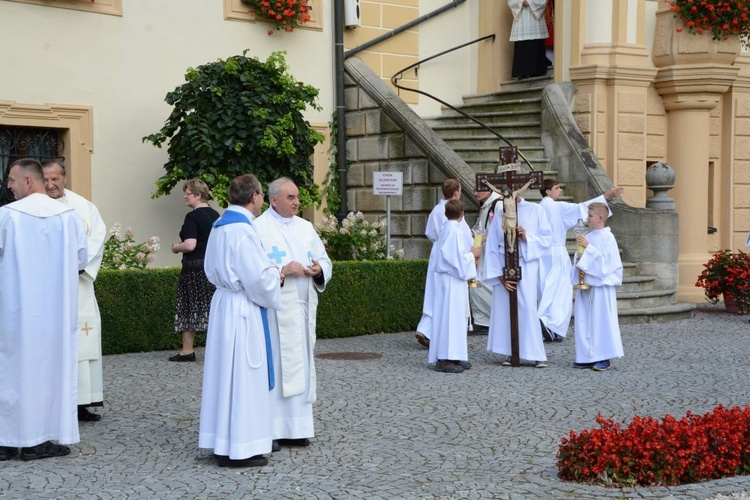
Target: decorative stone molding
77, 126
111, 7
235, 10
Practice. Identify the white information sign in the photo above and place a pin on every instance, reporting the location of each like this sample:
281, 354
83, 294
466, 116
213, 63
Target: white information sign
388, 183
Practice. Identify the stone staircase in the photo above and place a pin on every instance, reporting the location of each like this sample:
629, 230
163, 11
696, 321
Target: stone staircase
517, 115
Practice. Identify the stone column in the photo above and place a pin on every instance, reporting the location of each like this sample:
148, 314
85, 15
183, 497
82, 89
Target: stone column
694, 72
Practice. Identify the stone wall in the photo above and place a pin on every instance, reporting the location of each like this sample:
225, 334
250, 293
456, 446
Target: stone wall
384, 134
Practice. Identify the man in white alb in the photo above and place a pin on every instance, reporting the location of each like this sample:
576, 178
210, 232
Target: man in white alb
292, 244
236, 421
90, 380
42, 250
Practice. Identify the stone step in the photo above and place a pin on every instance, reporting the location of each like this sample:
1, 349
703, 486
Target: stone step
488, 142
494, 110
637, 283
645, 298
464, 127
671, 312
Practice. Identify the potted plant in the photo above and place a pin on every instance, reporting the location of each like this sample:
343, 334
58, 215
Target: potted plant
285, 14
727, 274
723, 18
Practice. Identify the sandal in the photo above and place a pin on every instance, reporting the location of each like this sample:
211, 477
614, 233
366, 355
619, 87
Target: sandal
45, 450
7, 452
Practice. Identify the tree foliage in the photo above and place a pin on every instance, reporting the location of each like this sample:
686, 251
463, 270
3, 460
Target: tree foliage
235, 117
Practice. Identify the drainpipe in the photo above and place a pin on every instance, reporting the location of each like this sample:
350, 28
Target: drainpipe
338, 33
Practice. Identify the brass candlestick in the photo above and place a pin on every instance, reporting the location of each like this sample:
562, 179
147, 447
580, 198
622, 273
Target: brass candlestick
579, 230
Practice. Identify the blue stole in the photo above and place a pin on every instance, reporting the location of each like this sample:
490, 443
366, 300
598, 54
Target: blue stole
232, 217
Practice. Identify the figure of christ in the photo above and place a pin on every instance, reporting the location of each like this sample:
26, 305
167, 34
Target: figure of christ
510, 215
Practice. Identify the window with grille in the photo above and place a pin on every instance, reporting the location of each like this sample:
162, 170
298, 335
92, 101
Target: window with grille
26, 142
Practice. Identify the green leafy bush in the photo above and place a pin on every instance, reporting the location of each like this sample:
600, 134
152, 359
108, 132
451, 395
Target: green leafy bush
235, 117
137, 306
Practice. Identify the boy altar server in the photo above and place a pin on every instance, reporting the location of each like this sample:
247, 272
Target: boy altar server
597, 331
452, 264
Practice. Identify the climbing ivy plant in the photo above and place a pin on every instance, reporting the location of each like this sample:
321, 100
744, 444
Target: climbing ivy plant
238, 116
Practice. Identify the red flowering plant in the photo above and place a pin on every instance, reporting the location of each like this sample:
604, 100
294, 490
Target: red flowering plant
723, 18
727, 273
285, 14
651, 452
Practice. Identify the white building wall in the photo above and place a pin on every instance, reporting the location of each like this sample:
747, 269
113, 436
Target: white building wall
453, 75
123, 67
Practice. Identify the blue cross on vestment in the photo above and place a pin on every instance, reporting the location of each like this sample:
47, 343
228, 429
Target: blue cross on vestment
309, 257
276, 254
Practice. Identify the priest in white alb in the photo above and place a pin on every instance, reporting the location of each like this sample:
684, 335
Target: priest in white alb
292, 244
236, 420
42, 250
534, 237
90, 378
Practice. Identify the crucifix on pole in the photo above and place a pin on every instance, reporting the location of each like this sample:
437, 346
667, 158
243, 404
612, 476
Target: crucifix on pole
510, 184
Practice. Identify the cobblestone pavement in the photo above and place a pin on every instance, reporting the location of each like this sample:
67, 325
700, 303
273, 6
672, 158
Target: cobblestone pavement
392, 428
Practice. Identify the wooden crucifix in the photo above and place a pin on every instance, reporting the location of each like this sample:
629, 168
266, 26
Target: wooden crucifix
510, 184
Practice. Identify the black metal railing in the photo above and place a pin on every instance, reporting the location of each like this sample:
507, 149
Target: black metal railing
24, 142
399, 74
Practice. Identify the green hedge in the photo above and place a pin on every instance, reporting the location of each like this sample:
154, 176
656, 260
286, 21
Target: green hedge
137, 306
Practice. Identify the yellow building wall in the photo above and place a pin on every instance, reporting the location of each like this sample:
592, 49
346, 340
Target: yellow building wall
386, 58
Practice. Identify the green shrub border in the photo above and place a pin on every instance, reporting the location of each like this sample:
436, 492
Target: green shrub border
137, 306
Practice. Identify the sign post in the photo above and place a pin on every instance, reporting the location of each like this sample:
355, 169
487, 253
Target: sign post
388, 184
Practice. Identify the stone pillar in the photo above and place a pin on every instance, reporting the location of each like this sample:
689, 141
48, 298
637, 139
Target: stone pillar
694, 72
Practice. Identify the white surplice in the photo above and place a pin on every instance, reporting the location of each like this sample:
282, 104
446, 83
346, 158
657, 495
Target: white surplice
528, 21
90, 380
435, 223
236, 419
42, 248
538, 239
597, 330
556, 299
481, 295
452, 265
286, 240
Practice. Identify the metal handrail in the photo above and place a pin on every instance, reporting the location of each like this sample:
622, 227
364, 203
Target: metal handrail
395, 78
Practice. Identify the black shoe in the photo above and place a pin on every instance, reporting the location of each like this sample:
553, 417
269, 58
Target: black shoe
45, 450
480, 330
7, 452
256, 461
275, 446
294, 442
84, 415
583, 366
547, 335
183, 357
466, 365
446, 366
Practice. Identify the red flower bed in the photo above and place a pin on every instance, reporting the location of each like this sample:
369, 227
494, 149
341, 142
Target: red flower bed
651, 452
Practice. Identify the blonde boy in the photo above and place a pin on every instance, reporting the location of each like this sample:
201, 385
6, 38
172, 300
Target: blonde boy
597, 331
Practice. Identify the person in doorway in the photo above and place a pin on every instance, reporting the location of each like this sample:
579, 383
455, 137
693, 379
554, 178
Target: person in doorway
528, 33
